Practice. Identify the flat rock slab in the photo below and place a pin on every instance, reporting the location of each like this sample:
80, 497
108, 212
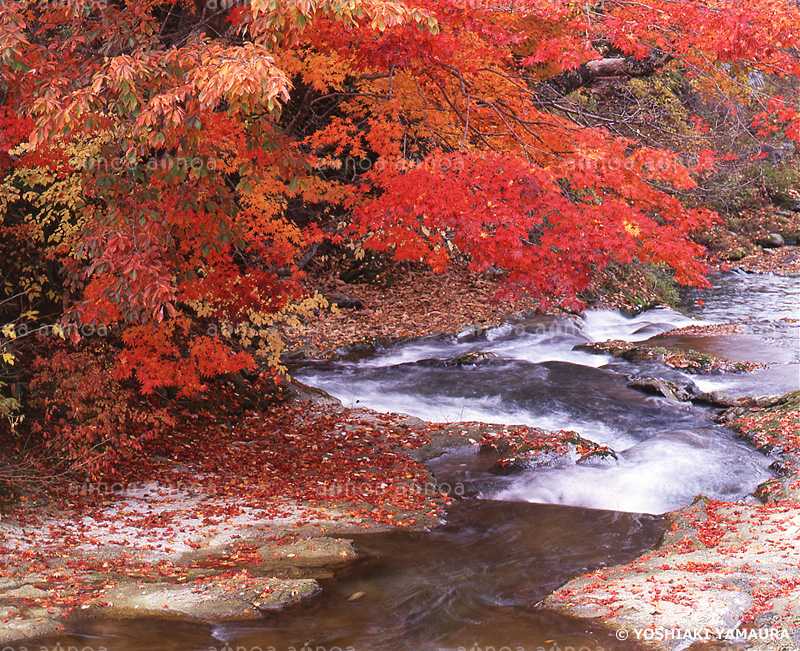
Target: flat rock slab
723, 569
15, 630
240, 598
314, 552
24, 592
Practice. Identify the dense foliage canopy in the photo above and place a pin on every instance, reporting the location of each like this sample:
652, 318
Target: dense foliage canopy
166, 168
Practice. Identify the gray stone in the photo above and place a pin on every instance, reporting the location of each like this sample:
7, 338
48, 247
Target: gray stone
313, 395
214, 601
27, 592
315, 552
16, 630
43, 613
8, 611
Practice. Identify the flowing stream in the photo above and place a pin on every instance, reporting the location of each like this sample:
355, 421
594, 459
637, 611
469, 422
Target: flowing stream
475, 582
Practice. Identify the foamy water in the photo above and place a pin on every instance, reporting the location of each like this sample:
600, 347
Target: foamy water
668, 453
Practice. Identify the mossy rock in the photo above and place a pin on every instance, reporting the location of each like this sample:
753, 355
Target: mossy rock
736, 254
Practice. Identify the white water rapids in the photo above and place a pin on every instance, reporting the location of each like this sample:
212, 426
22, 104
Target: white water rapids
668, 452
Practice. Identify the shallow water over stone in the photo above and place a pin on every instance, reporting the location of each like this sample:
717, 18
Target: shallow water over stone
474, 582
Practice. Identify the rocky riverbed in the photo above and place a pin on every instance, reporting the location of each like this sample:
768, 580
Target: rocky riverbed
724, 573
151, 552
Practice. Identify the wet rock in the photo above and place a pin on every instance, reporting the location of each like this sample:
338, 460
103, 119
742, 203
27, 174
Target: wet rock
516, 464
215, 601
771, 241
470, 359
316, 552
723, 399
602, 456
685, 361
22, 629
510, 466
658, 386
737, 406
779, 469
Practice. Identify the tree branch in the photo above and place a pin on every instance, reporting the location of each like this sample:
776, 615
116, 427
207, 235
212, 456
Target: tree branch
562, 84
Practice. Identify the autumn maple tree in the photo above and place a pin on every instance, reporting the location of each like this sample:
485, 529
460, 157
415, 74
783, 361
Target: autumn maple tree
167, 168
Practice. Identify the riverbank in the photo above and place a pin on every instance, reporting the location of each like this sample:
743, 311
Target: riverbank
241, 519
725, 573
235, 520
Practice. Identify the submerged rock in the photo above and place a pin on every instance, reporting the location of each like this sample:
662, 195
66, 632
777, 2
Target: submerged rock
315, 552
244, 598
